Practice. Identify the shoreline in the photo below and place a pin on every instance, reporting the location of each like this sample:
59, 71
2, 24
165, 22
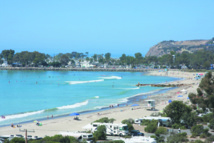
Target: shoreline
78, 69
53, 126
130, 100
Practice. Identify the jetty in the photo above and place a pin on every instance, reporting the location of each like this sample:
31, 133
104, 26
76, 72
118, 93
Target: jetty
162, 85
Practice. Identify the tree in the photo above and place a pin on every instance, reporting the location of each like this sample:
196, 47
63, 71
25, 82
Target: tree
123, 59
189, 119
64, 60
197, 130
205, 96
100, 134
95, 57
175, 110
211, 125
138, 58
17, 140
8, 55
107, 57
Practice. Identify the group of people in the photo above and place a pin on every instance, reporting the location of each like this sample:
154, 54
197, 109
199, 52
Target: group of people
13, 126
3, 117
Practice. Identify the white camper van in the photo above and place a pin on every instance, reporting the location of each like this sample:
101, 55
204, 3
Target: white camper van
166, 121
112, 129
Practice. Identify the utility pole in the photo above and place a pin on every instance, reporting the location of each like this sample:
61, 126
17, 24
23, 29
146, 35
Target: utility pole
26, 136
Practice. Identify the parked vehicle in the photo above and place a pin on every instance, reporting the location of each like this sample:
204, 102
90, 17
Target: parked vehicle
136, 133
112, 129
166, 121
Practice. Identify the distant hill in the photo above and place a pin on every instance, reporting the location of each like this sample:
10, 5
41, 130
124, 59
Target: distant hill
191, 46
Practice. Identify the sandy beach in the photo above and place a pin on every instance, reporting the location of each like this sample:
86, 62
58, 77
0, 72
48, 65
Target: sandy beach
53, 126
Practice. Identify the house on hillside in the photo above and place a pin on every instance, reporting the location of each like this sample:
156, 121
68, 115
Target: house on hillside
86, 64
4, 63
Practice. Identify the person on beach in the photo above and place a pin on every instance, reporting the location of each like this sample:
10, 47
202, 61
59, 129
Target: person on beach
12, 125
52, 116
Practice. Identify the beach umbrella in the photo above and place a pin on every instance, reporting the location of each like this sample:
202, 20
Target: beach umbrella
74, 114
135, 105
180, 96
169, 101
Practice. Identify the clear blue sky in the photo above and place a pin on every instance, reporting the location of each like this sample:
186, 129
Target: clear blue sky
101, 26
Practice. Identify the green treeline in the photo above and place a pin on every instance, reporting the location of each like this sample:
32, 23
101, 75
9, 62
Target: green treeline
198, 60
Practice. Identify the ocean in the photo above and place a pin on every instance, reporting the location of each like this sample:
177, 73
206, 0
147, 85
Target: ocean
34, 95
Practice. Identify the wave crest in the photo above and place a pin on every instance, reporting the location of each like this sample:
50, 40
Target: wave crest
111, 77
74, 105
8, 117
80, 82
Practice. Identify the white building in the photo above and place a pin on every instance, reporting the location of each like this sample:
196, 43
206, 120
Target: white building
4, 63
86, 64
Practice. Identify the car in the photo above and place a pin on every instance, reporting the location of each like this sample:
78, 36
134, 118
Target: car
136, 133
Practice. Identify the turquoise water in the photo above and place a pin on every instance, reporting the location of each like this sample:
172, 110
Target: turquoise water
29, 95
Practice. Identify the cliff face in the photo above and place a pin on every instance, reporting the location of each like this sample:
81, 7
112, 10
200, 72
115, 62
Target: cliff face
191, 46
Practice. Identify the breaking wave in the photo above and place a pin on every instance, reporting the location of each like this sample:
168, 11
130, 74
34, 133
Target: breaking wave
74, 105
111, 77
80, 82
21, 115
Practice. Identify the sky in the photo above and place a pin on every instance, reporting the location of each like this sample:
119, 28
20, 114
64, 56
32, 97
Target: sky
101, 26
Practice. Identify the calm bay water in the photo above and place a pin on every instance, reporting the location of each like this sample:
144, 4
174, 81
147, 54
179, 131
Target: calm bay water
29, 95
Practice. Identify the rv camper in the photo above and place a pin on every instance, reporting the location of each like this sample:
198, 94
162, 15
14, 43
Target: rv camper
166, 121
112, 129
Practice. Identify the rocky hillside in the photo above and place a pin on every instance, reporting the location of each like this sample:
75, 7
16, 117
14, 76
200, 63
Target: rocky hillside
191, 46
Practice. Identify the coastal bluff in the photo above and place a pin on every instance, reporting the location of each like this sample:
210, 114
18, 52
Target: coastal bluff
78, 69
165, 47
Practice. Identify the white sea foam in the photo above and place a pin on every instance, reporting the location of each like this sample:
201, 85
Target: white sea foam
20, 115
99, 107
80, 82
111, 77
124, 100
96, 97
130, 88
74, 105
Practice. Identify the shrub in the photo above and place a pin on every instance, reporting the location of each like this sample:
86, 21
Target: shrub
209, 139
202, 136
17, 140
126, 121
208, 117
197, 130
153, 136
176, 126
177, 138
105, 120
193, 135
211, 125
151, 127
183, 127
161, 130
